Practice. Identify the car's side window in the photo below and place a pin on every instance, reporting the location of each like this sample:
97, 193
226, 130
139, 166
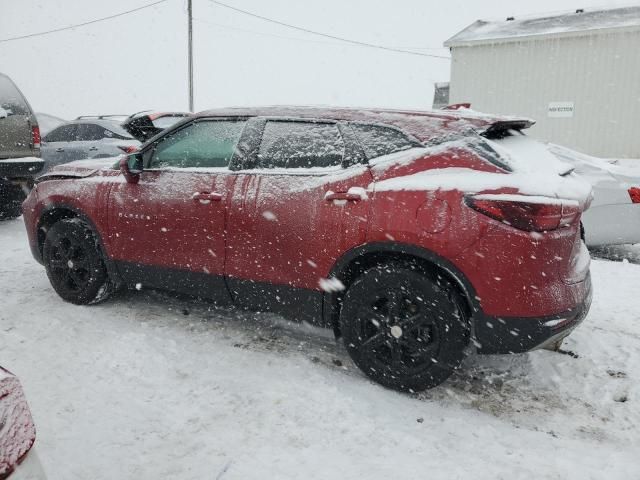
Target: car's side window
88, 132
65, 133
97, 132
289, 144
210, 143
378, 140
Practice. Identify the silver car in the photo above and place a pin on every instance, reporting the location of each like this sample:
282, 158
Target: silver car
86, 137
614, 215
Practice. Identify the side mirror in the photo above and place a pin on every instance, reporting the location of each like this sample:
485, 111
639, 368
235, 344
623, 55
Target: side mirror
131, 167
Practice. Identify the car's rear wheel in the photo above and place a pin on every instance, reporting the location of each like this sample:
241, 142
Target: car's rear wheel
405, 329
74, 263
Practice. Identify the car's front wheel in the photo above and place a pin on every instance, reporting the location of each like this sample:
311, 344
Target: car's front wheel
405, 329
74, 263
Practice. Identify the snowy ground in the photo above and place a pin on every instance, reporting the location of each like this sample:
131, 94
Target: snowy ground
145, 386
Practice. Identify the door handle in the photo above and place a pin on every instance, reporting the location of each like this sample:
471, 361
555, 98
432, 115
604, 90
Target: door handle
349, 196
205, 197
59, 149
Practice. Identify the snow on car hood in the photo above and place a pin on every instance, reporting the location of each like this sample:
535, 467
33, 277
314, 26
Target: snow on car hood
80, 168
534, 171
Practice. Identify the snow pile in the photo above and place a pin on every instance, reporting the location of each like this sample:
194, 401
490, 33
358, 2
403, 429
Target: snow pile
473, 181
147, 386
535, 171
526, 155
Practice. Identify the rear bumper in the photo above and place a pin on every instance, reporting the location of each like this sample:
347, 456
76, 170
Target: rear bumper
496, 335
19, 168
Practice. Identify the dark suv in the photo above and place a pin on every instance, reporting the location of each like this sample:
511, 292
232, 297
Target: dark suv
19, 147
414, 235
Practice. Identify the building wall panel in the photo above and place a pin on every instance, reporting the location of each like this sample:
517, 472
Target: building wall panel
598, 72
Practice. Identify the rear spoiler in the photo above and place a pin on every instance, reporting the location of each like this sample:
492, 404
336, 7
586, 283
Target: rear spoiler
497, 129
496, 126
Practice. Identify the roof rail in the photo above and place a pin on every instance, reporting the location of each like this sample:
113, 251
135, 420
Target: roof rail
100, 117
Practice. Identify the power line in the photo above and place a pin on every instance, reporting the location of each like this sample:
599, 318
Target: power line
333, 37
297, 39
47, 32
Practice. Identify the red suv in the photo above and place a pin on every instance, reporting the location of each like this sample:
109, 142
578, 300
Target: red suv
414, 235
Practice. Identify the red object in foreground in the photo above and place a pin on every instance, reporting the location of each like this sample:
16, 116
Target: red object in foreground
128, 148
17, 431
634, 194
290, 209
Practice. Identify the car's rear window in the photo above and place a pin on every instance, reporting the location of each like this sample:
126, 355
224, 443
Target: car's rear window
488, 153
379, 140
11, 100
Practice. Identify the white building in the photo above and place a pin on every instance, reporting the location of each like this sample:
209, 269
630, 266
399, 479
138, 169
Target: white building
576, 74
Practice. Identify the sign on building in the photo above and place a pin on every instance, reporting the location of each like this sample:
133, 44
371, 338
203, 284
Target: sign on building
560, 110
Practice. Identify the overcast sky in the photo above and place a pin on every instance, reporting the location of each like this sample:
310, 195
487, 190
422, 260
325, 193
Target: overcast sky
138, 61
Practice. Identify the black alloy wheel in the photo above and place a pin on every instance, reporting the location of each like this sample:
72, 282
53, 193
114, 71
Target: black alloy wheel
74, 262
403, 328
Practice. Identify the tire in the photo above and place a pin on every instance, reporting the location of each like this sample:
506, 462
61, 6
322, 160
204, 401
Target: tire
403, 328
74, 263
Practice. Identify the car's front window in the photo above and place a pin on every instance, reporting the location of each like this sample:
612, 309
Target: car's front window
209, 144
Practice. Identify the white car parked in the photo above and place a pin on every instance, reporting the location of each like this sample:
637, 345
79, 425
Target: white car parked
614, 215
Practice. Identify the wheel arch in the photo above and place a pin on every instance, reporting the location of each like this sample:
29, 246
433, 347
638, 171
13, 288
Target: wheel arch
358, 260
56, 212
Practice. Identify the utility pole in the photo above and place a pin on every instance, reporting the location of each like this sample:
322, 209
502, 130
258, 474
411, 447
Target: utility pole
190, 21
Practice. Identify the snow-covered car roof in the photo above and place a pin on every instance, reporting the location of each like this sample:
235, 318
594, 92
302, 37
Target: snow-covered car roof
568, 23
425, 125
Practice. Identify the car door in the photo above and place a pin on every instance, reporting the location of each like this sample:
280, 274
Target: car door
168, 230
300, 204
57, 145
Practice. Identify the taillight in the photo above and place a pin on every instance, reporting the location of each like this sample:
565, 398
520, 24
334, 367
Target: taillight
526, 213
35, 136
634, 193
128, 148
